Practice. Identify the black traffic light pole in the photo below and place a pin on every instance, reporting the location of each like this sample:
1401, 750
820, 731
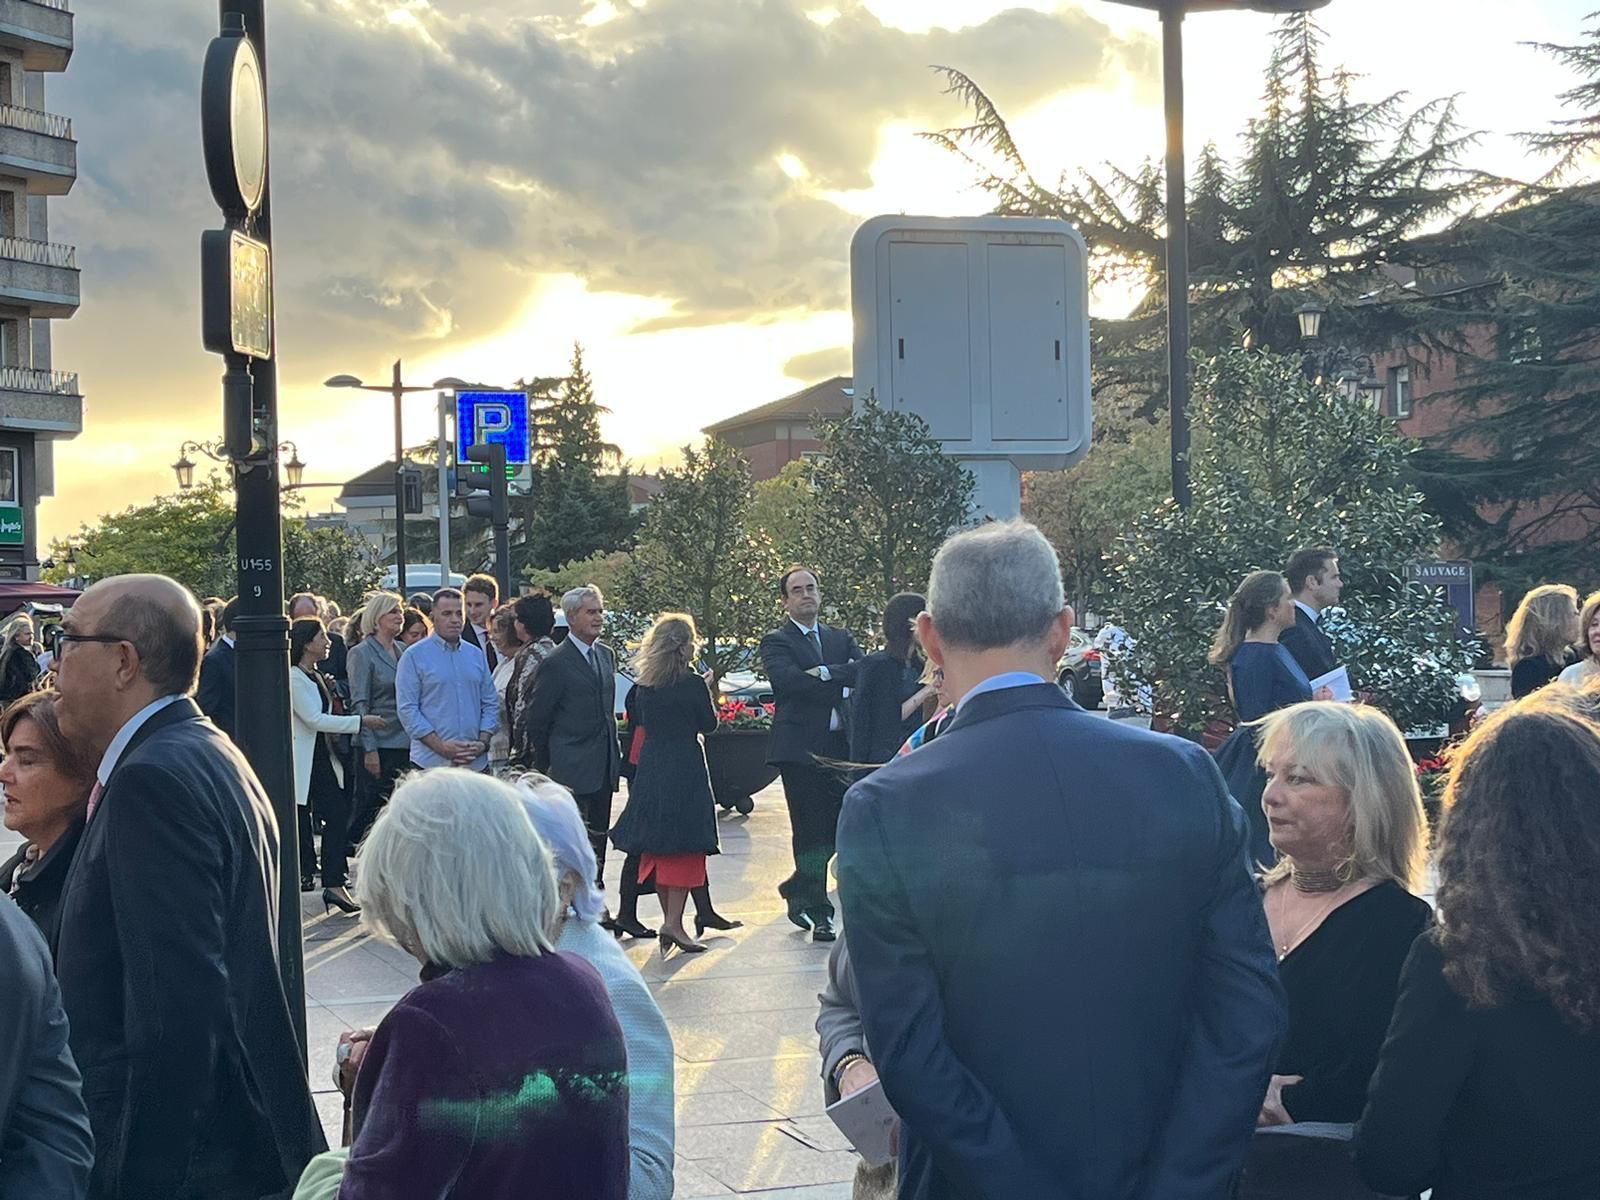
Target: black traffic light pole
496, 507
261, 637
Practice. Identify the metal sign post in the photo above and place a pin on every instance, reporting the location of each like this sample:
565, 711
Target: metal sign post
237, 322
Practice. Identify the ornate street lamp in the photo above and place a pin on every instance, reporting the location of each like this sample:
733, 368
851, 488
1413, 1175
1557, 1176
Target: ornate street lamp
294, 469
1310, 317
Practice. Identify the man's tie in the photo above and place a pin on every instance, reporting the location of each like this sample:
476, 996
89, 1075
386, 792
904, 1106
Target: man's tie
95, 793
594, 661
815, 638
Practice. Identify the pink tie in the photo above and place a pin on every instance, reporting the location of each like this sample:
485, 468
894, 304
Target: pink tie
95, 793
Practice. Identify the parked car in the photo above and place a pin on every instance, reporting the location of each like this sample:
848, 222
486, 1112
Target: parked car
1079, 671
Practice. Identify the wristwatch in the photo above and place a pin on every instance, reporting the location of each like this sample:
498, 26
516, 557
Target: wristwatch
849, 1060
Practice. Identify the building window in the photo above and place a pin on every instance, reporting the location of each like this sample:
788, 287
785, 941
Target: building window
11, 342
1399, 392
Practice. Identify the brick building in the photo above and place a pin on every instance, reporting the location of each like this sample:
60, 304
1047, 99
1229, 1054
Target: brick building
780, 432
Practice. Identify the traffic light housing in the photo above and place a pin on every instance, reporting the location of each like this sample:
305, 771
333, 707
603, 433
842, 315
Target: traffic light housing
411, 490
492, 455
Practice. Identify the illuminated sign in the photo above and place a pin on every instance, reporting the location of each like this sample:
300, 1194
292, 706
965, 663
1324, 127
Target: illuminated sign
489, 417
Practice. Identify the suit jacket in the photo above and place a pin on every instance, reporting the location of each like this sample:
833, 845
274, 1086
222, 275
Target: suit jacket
805, 702
1311, 648
169, 973
572, 722
215, 695
1127, 1056
45, 1145
490, 655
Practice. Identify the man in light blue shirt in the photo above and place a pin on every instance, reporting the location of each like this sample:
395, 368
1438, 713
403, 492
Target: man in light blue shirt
445, 693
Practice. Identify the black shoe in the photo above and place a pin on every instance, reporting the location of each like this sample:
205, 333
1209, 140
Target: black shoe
308, 883
745, 806
822, 931
687, 947
705, 921
797, 914
632, 927
341, 899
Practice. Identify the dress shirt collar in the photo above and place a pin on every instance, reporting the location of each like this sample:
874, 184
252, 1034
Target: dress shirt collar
815, 627
227, 640
119, 744
1316, 617
997, 683
447, 646
584, 648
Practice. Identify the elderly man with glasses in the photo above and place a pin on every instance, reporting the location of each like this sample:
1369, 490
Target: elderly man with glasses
166, 953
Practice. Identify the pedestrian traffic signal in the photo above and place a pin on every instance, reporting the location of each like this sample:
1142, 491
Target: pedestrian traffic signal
493, 481
411, 489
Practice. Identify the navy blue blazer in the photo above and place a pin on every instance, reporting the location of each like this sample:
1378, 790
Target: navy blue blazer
1064, 967
215, 695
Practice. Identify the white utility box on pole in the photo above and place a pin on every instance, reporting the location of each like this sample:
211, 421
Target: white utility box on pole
980, 326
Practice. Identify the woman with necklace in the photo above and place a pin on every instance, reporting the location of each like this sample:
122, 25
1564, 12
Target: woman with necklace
1346, 819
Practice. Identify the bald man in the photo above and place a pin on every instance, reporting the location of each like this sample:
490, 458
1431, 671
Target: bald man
167, 948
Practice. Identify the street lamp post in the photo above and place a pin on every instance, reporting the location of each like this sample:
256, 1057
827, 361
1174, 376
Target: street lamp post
398, 390
294, 469
1172, 13
1356, 374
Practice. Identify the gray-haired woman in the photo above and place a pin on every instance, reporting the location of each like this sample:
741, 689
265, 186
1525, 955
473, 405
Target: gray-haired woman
555, 817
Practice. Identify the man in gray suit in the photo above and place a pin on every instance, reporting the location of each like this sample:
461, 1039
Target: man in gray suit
572, 722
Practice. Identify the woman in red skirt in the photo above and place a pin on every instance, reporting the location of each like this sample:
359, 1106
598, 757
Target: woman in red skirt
671, 818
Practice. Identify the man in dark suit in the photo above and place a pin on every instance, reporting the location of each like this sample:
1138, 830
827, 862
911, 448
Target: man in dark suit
1064, 968
572, 723
215, 695
810, 666
167, 954
1314, 584
481, 594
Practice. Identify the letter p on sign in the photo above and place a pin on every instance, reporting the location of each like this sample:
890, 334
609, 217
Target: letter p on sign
488, 419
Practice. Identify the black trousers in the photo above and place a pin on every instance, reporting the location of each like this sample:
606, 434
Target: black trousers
373, 794
332, 804
596, 810
814, 795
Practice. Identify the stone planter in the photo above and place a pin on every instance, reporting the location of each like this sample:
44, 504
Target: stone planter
737, 760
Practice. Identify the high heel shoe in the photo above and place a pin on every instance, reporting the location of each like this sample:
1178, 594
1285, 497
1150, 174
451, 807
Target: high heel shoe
632, 927
687, 947
705, 921
341, 899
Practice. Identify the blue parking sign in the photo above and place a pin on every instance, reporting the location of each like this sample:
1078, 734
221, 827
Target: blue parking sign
489, 417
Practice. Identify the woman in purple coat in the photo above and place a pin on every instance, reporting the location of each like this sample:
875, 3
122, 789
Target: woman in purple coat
503, 1075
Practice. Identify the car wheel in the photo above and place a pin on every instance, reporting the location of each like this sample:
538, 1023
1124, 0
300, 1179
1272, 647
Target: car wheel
1069, 684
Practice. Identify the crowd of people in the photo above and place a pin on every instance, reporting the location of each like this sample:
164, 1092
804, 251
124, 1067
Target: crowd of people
1242, 988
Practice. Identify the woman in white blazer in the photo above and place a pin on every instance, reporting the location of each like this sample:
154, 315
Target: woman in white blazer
314, 774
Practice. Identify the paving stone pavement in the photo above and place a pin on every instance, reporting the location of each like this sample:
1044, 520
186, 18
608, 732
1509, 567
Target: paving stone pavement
749, 1097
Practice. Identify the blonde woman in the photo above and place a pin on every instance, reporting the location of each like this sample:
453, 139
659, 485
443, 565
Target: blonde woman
1347, 822
1540, 635
1586, 671
19, 668
384, 753
671, 818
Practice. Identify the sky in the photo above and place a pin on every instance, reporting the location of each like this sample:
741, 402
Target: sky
472, 185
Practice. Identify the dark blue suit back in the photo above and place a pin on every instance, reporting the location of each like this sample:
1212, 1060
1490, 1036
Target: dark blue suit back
1064, 969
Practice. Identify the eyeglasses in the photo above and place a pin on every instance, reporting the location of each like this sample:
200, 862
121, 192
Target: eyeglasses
110, 639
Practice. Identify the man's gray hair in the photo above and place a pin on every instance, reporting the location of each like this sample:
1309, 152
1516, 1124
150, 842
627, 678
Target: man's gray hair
572, 602
996, 585
454, 872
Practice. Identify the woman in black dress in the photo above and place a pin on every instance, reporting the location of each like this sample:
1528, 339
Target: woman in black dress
1488, 1086
1540, 637
671, 818
19, 668
1348, 824
886, 704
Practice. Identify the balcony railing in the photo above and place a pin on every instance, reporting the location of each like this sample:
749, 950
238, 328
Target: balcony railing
34, 121
58, 5
26, 379
40, 254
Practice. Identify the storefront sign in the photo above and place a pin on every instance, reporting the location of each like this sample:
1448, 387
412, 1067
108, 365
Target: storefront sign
10, 525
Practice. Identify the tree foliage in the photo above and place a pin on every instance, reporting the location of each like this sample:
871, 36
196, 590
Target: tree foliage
784, 509
1281, 463
1328, 191
1087, 510
189, 535
578, 504
697, 553
886, 497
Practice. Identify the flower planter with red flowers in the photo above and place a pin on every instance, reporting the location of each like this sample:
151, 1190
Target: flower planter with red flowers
736, 753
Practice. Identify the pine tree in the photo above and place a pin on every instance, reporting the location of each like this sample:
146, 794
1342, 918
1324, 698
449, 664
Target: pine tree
578, 504
1517, 476
1327, 192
